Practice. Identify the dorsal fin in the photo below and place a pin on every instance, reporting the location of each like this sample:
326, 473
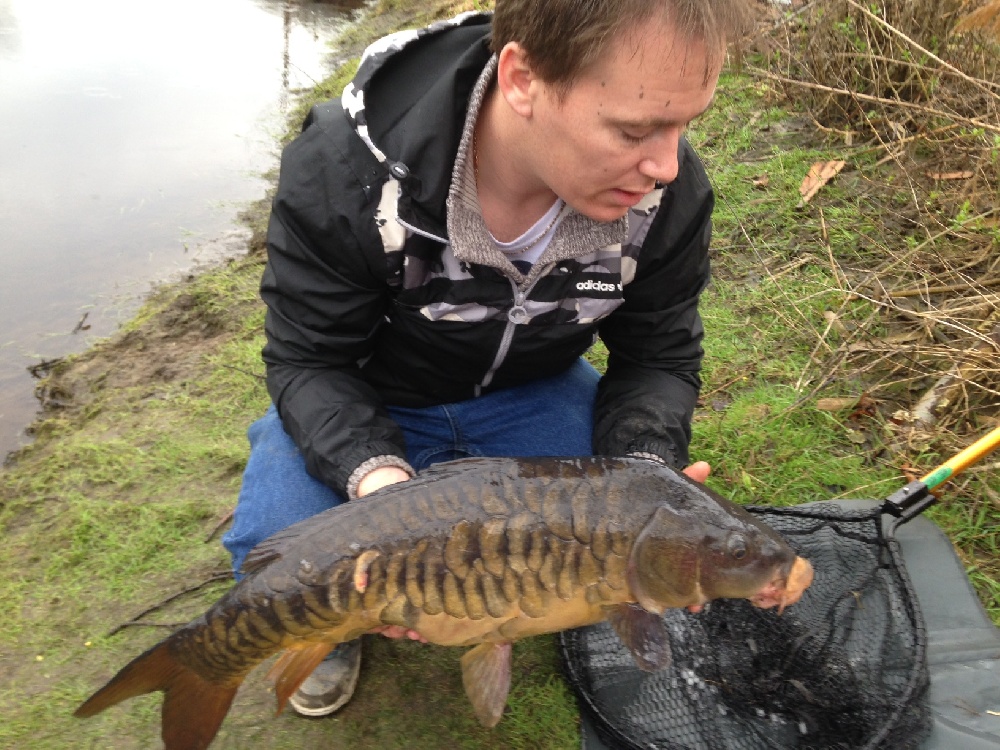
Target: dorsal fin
273, 548
270, 549
457, 465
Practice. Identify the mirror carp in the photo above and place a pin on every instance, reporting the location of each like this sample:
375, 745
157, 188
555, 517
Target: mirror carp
474, 552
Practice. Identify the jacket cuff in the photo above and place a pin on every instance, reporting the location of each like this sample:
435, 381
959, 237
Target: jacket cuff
658, 452
647, 456
375, 462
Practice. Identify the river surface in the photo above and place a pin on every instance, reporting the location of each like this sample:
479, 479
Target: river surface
131, 134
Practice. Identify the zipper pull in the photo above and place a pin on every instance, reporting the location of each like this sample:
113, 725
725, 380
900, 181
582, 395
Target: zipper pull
517, 314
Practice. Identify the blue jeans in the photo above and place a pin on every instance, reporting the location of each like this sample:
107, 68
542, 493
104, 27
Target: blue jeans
547, 417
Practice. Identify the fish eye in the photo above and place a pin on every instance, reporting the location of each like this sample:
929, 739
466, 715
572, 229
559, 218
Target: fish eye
737, 547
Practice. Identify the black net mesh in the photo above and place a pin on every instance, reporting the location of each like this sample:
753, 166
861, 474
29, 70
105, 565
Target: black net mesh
845, 667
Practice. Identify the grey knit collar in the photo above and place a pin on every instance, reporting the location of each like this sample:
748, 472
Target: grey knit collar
575, 235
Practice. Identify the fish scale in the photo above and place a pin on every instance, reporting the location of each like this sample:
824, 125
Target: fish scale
472, 583
477, 552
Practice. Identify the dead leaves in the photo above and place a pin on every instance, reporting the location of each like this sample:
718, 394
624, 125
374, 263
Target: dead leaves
962, 175
986, 18
858, 421
862, 407
835, 404
820, 173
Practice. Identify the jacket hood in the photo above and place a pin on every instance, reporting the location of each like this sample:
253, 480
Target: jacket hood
407, 102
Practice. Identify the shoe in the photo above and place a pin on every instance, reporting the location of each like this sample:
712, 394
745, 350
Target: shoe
331, 684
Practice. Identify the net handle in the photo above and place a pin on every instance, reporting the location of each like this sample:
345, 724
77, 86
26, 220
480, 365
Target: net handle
959, 463
917, 496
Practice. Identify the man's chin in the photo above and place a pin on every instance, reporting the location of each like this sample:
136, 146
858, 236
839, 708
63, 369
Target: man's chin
602, 213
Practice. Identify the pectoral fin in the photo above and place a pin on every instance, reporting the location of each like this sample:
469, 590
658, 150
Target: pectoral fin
294, 666
644, 634
486, 677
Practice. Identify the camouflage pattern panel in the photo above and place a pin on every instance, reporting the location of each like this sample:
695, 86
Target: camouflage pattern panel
375, 56
582, 289
640, 219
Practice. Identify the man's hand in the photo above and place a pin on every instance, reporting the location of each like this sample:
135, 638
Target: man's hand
372, 481
398, 631
376, 480
698, 471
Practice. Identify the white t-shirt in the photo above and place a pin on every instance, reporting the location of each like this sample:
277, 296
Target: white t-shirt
526, 249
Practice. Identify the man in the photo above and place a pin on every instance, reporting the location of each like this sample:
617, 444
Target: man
446, 242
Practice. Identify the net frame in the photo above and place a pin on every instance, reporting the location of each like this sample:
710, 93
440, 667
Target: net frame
845, 667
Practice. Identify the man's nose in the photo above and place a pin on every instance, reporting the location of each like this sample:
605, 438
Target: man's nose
660, 163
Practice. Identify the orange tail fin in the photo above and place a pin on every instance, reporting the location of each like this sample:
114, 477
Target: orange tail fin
193, 707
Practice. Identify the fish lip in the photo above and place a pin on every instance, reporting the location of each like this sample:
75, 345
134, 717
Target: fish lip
786, 587
771, 595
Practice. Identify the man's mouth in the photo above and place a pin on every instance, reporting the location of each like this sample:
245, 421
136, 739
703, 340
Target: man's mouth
629, 197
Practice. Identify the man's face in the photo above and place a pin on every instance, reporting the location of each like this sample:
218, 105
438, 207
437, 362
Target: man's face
615, 133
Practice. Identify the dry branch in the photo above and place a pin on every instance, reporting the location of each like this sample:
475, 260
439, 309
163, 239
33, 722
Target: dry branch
985, 85
217, 576
921, 108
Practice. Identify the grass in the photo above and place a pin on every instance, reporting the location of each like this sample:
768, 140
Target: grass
110, 510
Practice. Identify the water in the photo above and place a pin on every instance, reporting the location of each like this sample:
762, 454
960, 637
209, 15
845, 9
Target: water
131, 134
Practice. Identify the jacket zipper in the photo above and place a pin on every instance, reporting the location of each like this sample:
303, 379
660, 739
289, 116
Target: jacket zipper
516, 315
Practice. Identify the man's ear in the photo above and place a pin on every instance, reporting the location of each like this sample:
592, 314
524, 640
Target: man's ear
517, 80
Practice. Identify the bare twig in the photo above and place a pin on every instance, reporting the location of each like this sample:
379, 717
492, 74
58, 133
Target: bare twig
946, 289
951, 230
877, 100
215, 529
40, 369
984, 85
964, 329
245, 372
217, 576
81, 324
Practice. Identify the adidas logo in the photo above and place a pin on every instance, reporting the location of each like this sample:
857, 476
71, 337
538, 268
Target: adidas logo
597, 286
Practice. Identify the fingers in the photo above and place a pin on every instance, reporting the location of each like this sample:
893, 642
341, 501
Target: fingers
398, 631
379, 478
698, 471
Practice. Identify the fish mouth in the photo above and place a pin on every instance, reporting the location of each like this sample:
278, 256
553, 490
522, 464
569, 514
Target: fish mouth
785, 588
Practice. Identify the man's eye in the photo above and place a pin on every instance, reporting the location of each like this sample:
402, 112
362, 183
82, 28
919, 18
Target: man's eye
634, 137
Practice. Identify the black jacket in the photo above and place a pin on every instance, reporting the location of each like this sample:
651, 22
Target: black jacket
368, 303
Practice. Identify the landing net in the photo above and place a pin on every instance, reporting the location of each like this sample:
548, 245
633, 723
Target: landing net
845, 667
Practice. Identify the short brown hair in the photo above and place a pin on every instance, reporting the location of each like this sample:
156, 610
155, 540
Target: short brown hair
564, 37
